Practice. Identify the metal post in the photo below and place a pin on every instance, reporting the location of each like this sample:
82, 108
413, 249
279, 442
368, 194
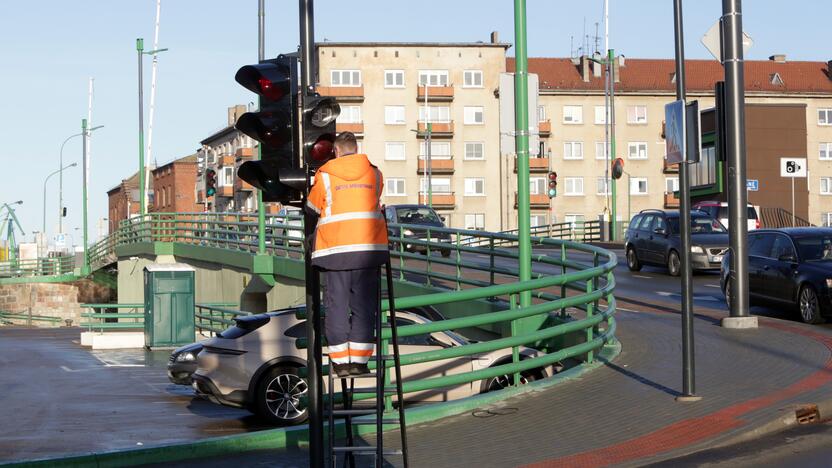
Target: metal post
313, 286
521, 126
613, 183
688, 382
429, 128
85, 270
793, 221
142, 204
735, 145
261, 55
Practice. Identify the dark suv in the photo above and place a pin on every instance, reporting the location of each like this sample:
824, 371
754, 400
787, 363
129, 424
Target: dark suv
419, 220
653, 239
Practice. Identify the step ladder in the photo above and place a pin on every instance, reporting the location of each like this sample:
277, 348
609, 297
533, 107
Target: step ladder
349, 412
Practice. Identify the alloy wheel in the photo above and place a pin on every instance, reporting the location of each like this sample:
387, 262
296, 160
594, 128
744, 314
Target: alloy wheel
809, 307
283, 396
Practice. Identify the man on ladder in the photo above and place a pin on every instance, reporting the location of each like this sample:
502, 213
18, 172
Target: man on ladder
350, 245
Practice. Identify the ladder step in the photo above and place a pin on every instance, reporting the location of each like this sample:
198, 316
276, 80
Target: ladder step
387, 390
364, 450
354, 412
372, 422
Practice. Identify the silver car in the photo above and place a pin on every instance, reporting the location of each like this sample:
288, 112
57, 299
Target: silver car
254, 365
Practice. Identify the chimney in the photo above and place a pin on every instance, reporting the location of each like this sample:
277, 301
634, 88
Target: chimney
779, 58
495, 37
829, 69
596, 67
585, 69
234, 113
617, 64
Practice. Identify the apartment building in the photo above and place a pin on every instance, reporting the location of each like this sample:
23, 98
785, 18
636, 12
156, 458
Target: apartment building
175, 186
123, 201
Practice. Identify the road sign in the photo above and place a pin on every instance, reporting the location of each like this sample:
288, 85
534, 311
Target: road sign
752, 185
60, 240
693, 124
674, 117
793, 167
711, 41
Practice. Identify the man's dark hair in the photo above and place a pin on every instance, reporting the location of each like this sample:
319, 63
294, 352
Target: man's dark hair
345, 141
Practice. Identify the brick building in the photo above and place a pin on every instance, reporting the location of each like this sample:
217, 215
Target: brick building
123, 201
175, 186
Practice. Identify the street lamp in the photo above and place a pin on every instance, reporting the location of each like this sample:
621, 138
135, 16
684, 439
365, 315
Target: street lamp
61, 178
59, 171
140, 50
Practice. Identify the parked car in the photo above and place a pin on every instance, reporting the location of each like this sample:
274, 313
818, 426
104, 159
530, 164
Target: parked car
255, 365
182, 363
287, 216
653, 239
419, 215
719, 210
789, 267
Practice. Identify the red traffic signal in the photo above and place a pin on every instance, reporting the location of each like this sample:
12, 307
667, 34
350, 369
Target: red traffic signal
553, 184
319, 115
271, 80
617, 168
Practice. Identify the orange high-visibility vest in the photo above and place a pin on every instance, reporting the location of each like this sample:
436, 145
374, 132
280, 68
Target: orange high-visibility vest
351, 232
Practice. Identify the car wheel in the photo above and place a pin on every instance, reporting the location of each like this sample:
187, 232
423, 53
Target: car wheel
278, 398
727, 293
632, 260
809, 305
446, 253
504, 381
674, 264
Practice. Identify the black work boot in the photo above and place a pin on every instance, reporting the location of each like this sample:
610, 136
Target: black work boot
358, 369
342, 370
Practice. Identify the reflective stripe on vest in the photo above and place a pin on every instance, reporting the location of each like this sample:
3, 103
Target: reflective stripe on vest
350, 216
328, 190
349, 248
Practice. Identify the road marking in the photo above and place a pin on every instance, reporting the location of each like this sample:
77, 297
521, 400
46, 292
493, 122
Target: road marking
712, 286
642, 276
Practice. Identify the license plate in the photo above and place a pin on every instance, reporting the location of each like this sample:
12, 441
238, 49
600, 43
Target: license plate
717, 258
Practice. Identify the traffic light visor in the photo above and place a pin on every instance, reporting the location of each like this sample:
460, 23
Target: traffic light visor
324, 112
272, 128
270, 80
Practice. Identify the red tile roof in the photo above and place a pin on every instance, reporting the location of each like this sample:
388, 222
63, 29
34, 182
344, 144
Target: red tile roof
657, 75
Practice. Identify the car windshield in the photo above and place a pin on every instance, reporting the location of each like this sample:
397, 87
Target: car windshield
815, 248
418, 215
698, 225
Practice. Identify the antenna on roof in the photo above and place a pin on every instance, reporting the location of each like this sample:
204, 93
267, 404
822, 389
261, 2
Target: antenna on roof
571, 46
596, 39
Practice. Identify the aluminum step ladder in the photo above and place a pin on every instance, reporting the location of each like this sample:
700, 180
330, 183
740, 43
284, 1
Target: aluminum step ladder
349, 412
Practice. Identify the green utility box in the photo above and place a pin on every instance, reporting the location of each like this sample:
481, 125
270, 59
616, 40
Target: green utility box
168, 305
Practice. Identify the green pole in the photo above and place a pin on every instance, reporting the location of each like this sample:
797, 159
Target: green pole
261, 214
85, 270
521, 124
614, 211
142, 207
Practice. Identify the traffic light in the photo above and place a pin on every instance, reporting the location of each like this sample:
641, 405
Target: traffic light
278, 173
617, 168
63, 212
553, 184
210, 182
319, 114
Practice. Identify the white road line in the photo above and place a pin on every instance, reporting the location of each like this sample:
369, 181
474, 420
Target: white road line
712, 286
642, 276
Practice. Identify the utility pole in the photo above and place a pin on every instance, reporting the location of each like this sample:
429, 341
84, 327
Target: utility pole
261, 55
142, 204
613, 182
521, 141
732, 61
85, 269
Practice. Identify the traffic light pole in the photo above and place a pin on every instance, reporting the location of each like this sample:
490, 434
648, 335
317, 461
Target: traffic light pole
85, 269
313, 286
261, 55
521, 126
613, 182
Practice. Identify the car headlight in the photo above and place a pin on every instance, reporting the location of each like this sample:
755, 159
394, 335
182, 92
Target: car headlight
829, 282
186, 357
696, 249
408, 232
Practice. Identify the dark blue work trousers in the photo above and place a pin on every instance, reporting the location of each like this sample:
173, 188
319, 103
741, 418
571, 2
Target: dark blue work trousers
351, 298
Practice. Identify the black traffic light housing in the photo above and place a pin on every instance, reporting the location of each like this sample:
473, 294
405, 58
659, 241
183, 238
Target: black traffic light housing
278, 173
553, 184
617, 168
210, 182
319, 115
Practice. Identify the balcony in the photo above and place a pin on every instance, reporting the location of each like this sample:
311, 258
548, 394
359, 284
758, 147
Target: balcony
440, 200
438, 129
226, 160
435, 93
535, 200
536, 164
343, 93
670, 200
356, 128
225, 191
670, 168
244, 153
443, 165
544, 128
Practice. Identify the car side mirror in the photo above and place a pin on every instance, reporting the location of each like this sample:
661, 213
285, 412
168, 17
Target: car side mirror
786, 258
660, 231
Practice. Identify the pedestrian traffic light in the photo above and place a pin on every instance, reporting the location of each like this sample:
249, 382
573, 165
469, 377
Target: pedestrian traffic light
553, 184
210, 182
617, 168
63, 212
319, 114
278, 173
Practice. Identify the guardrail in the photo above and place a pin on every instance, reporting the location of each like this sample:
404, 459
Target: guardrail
42, 266
214, 318
208, 318
7, 317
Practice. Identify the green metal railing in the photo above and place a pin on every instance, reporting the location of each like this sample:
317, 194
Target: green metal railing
6, 318
101, 321
214, 318
43, 266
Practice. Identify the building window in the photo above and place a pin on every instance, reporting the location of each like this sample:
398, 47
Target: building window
703, 173
602, 187
638, 186
474, 186
537, 185
573, 114
826, 185
394, 151
438, 150
671, 184
574, 186
474, 150
637, 115
472, 79
394, 78
350, 114
826, 219
825, 151
541, 113
394, 115
473, 115
637, 150
227, 176
438, 184
601, 150
824, 116
395, 187
475, 221
433, 78
537, 220
437, 114
600, 115
346, 77
573, 150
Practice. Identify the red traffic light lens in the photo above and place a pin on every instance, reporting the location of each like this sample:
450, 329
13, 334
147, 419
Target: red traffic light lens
323, 149
269, 90
553, 176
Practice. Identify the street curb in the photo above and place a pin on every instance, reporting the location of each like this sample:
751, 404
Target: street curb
296, 437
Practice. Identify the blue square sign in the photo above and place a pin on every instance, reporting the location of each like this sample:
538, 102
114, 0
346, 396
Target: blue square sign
753, 185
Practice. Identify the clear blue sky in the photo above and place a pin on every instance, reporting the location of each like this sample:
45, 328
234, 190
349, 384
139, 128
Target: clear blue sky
50, 48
